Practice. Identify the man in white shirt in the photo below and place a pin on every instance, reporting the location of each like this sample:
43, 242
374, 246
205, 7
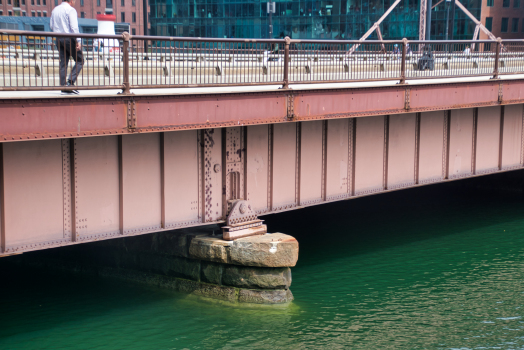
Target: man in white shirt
64, 19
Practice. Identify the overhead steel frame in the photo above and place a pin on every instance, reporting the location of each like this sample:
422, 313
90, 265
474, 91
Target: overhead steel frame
425, 23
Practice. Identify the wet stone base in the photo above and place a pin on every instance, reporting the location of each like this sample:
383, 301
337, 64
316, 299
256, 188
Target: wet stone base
210, 290
249, 270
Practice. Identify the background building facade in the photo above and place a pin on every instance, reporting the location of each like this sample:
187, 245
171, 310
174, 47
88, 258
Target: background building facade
504, 18
463, 28
298, 19
41, 24
126, 11
302, 19
26, 8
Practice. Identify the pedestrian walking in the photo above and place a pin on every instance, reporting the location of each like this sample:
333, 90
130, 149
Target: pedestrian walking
64, 19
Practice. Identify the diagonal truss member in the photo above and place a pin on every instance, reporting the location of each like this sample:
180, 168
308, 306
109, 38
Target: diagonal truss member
422, 24
375, 27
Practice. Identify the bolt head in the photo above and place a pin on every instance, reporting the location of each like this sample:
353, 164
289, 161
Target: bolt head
243, 208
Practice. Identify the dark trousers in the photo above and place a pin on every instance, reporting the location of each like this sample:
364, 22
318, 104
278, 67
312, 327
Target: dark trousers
66, 49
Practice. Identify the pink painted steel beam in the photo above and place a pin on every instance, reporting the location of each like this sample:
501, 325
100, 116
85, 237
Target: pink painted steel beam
83, 189
33, 119
58, 118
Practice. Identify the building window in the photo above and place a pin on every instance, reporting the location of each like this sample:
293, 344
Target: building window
45, 13
9, 2
504, 25
1, 12
489, 23
82, 14
522, 29
24, 14
38, 2
39, 13
133, 31
23, 2
10, 13
97, 2
516, 3
122, 3
33, 14
133, 17
33, 2
505, 3
98, 12
56, 2
122, 16
44, 2
133, 2
490, 3
514, 25
81, 2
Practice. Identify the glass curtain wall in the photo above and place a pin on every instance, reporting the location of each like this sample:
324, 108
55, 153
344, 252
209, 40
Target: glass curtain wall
304, 19
464, 27
298, 19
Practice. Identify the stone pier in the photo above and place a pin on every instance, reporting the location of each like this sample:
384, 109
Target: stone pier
253, 269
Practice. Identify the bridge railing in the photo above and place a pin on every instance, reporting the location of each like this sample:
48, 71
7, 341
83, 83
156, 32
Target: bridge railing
31, 61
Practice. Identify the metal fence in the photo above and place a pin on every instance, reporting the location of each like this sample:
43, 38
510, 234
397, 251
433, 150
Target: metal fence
31, 61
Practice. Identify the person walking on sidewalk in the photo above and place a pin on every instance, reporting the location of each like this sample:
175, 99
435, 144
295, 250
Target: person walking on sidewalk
64, 19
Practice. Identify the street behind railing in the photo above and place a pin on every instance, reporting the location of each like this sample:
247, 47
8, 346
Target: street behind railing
30, 61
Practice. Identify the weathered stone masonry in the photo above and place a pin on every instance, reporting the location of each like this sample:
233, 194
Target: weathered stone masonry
254, 269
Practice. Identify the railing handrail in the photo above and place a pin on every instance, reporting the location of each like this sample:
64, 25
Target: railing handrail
241, 40
127, 49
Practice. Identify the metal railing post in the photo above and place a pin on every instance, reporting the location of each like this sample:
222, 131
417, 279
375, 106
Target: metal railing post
497, 58
126, 88
403, 62
286, 63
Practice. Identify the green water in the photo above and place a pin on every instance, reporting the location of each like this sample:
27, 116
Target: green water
428, 268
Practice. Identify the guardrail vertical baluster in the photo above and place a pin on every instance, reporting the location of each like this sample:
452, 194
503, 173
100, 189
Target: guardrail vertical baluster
286, 63
403, 62
497, 57
126, 87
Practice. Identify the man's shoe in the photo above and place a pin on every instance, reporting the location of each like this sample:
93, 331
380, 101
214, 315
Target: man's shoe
75, 92
70, 92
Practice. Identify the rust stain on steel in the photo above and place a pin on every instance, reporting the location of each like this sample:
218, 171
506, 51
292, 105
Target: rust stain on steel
85, 117
313, 104
210, 110
37, 119
433, 97
513, 91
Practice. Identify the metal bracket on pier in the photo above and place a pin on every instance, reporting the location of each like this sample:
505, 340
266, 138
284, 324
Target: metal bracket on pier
406, 100
242, 221
131, 115
290, 107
